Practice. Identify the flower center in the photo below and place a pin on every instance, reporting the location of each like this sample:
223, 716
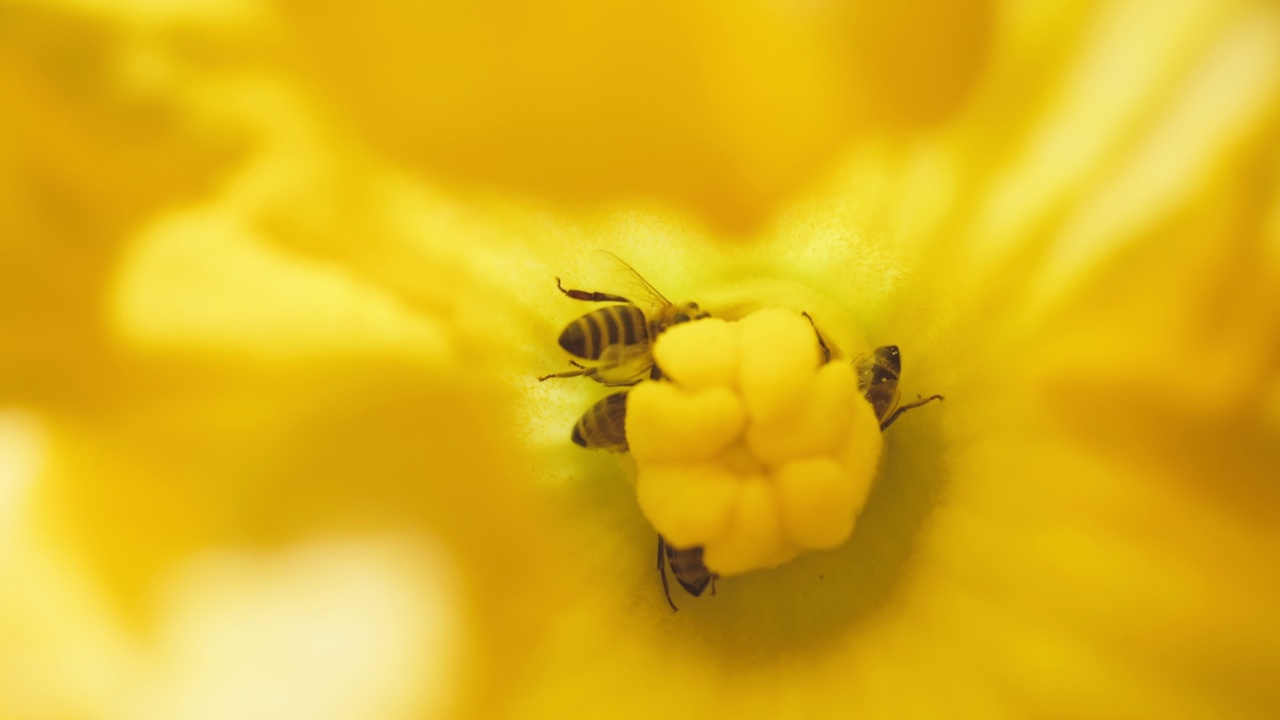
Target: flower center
751, 447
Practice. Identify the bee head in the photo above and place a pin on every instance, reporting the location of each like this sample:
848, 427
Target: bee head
690, 311
888, 358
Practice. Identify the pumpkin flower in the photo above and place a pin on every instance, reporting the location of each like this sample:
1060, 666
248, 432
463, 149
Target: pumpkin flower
277, 281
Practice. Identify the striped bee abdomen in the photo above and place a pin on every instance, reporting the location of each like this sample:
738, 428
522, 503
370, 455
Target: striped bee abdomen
686, 565
604, 425
589, 335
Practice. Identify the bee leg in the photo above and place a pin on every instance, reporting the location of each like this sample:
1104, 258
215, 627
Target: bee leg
713, 583
905, 408
591, 296
662, 572
582, 370
826, 351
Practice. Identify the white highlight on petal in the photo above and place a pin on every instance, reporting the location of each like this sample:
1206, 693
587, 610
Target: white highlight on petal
22, 448
63, 653
330, 630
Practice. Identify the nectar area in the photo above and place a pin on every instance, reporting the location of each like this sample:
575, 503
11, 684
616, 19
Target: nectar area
751, 447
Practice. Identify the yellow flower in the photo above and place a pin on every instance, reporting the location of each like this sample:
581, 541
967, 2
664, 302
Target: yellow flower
277, 282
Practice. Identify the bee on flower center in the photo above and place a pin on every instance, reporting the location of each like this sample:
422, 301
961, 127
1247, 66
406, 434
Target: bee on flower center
878, 382
604, 425
878, 375
616, 341
686, 565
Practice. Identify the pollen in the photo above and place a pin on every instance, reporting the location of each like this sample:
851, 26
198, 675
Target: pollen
751, 447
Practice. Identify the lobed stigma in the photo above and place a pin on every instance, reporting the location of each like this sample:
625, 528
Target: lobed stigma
751, 446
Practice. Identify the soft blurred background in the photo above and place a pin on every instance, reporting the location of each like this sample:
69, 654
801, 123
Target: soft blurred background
276, 280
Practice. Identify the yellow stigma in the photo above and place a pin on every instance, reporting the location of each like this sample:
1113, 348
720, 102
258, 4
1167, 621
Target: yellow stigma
753, 448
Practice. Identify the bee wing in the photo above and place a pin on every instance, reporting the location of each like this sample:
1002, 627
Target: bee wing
612, 420
622, 364
863, 365
636, 288
604, 425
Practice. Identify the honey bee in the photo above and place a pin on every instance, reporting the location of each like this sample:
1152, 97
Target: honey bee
878, 381
617, 340
604, 425
686, 565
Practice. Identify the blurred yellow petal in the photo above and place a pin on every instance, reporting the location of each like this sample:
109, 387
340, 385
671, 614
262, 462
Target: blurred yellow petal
206, 284
276, 283
89, 157
724, 108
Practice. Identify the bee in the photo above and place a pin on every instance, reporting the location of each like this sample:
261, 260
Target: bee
686, 565
878, 381
604, 425
617, 340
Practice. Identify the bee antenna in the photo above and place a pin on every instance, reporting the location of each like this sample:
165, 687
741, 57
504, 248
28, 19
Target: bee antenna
662, 572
